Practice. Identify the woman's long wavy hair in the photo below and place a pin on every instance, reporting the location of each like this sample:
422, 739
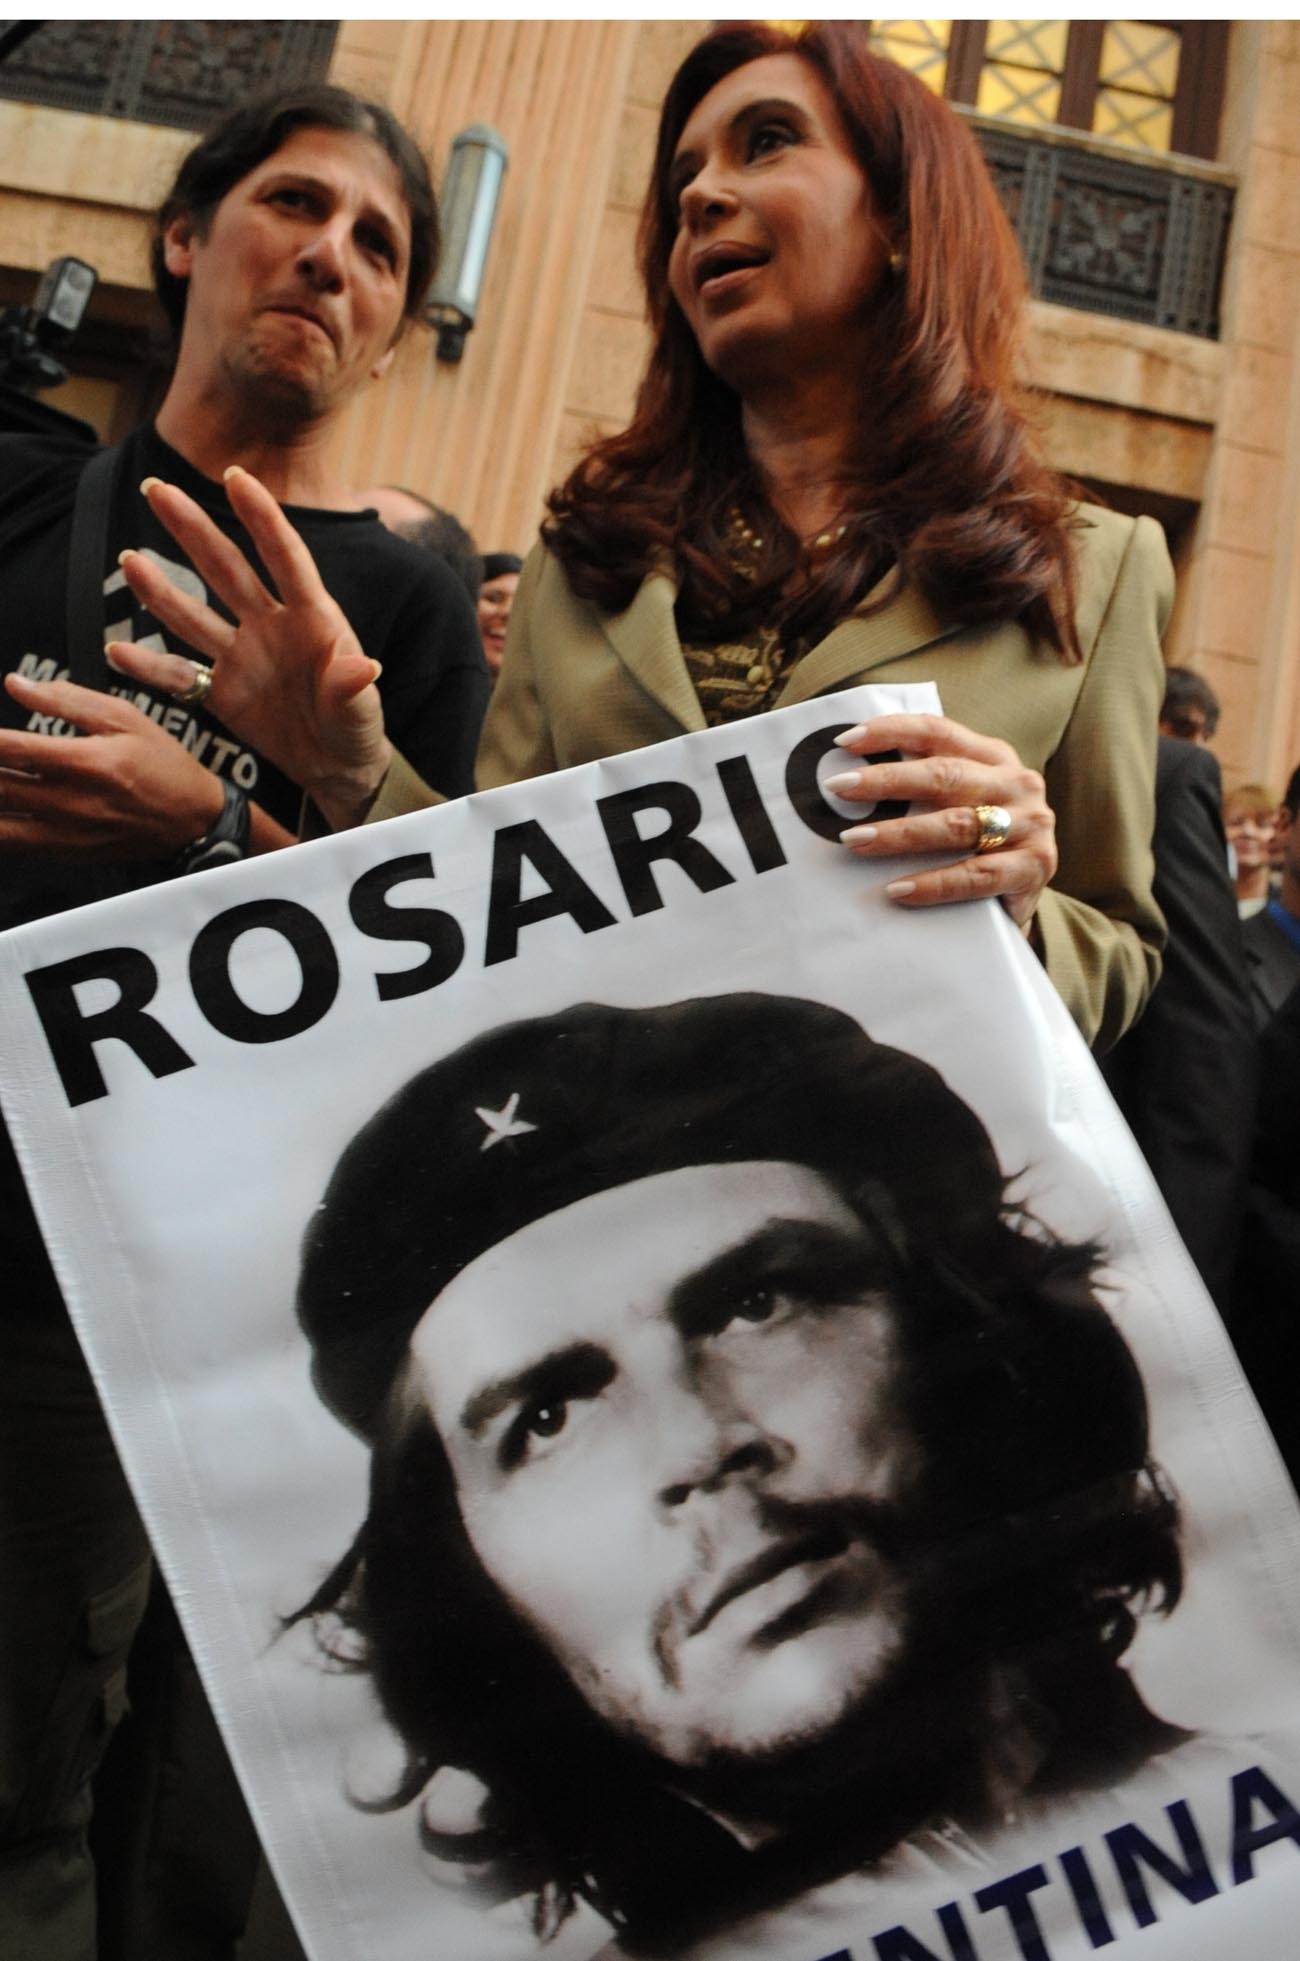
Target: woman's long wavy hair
951, 489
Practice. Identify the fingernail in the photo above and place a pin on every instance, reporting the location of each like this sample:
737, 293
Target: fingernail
853, 735
858, 834
378, 670
130, 551
109, 651
150, 483
839, 786
899, 888
231, 470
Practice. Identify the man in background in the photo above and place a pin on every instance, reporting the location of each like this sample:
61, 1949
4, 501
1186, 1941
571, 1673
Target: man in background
425, 524
1190, 709
1184, 1075
1272, 937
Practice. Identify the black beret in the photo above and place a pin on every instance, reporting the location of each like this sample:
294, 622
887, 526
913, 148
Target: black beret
532, 1116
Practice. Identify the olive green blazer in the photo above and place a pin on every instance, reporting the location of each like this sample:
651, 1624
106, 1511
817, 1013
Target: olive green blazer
577, 685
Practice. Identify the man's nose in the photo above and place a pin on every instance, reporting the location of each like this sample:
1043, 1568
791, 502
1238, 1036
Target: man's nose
709, 1445
321, 257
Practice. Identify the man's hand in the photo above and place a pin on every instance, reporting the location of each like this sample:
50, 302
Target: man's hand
125, 790
289, 678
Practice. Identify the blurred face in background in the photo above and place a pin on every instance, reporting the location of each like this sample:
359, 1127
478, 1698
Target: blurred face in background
1250, 826
1285, 855
496, 597
1188, 722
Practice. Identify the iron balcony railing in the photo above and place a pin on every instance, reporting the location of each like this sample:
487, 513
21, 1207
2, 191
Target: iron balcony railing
182, 72
1142, 239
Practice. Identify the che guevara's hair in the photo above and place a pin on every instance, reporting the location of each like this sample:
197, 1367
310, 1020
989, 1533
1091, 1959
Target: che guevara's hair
1043, 1525
951, 487
254, 132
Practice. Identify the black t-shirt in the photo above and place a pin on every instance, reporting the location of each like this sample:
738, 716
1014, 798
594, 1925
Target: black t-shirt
407, 609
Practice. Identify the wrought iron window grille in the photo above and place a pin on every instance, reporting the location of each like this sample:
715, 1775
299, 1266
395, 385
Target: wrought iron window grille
184, 73
1105, 232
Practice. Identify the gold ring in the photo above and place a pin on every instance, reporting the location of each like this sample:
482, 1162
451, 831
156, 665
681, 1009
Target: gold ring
995, 826
198, 686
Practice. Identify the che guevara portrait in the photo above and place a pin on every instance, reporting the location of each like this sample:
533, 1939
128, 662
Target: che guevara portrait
752, 1483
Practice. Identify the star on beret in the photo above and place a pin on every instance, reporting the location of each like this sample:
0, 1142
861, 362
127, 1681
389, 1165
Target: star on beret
502, 1123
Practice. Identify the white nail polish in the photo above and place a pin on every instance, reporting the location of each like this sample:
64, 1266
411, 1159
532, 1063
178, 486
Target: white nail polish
840, 786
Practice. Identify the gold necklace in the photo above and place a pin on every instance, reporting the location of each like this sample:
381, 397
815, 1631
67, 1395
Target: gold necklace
744, 534
825, 539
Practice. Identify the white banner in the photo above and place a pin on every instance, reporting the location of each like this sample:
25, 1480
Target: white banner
777, 1544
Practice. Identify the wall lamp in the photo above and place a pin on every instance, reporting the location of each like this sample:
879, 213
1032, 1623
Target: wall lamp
469, 208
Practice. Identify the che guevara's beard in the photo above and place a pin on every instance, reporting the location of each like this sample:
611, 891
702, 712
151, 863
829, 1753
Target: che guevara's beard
914, 1741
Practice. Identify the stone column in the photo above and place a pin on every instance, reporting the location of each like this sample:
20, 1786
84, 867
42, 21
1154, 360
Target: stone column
1243, 606
480, 436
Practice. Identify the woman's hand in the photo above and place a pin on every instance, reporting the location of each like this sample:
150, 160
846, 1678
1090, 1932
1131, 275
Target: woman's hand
289, 678
955, 773
123, 791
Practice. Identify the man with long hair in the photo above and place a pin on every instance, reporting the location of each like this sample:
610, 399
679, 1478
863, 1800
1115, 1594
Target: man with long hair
752, 1487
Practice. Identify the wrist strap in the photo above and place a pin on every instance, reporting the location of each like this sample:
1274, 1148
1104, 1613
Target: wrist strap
227, 842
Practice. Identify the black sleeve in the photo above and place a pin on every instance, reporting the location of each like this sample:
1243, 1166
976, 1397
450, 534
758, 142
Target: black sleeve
1277, 1136
435, 682
1266, 1318
1185, 1076
38, 482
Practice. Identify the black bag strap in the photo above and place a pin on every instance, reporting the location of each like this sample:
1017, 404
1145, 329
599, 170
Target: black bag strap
96, 490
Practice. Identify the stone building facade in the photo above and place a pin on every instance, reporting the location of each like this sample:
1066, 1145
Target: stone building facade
1200, 428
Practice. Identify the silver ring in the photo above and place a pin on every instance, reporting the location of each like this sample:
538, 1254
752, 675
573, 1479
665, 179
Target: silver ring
198, 687
995, 826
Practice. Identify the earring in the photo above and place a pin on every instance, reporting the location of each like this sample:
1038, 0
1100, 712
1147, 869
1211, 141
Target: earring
896, 261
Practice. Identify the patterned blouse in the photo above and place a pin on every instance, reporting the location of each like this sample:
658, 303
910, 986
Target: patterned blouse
744, 677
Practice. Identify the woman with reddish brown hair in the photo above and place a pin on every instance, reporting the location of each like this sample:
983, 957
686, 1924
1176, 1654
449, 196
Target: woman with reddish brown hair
828, 480
938, 474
